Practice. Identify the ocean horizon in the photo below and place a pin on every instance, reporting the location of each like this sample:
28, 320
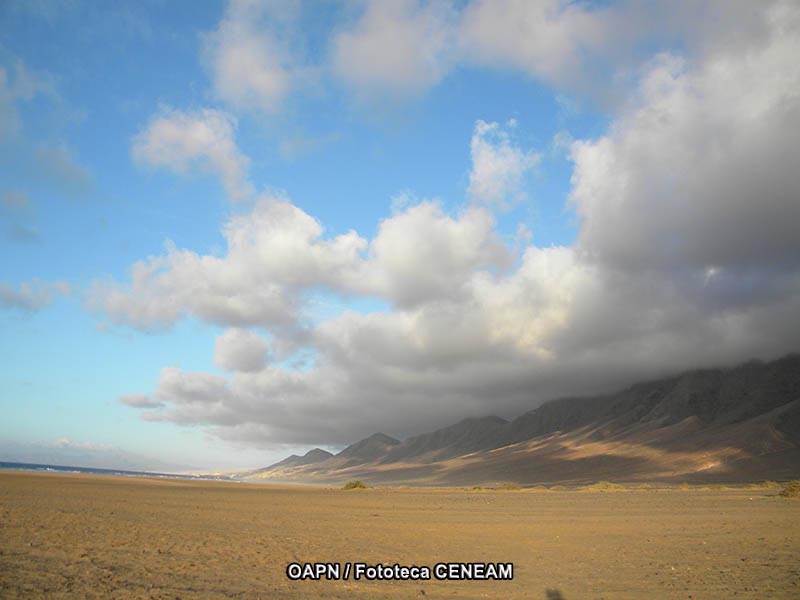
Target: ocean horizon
47, 468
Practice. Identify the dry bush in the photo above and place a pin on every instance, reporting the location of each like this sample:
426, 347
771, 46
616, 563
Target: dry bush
604, 486
508, 486
767, 484
791, 489
355, 485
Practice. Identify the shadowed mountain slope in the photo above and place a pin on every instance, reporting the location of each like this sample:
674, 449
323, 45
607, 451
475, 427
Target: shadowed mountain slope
464, 437
714, 396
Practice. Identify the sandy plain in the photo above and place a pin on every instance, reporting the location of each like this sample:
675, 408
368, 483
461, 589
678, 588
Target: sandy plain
78, 536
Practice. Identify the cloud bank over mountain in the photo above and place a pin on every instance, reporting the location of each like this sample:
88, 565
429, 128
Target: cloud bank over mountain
687, 252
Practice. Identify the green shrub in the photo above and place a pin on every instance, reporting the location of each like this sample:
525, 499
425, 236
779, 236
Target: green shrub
355, 485
791, 489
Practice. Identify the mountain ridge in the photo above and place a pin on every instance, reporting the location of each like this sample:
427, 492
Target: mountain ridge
369, 448
728, 415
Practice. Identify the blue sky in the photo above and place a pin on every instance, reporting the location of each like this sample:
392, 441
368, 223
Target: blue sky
518, 215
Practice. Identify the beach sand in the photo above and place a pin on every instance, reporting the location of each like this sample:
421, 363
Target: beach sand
79, 536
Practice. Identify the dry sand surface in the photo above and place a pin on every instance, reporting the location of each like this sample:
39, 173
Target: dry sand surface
76, 536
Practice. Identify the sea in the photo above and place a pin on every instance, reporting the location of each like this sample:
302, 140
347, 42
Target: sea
15, 466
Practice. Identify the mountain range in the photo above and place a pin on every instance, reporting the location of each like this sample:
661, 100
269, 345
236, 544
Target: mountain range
711, 425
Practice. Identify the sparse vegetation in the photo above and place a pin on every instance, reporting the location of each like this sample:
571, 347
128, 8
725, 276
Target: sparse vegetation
791, 489
769, 485
604, 486
684, 486
356, 484
508, 486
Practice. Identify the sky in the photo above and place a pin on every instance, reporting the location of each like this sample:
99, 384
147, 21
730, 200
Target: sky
232, 231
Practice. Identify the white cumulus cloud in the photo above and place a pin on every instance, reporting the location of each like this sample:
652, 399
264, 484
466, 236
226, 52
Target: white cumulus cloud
204, 139
273, 252
499, 166
240, 350
396, 47
250, 63
31, 296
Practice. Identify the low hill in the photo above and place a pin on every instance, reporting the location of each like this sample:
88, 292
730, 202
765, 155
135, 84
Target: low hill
309, 458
